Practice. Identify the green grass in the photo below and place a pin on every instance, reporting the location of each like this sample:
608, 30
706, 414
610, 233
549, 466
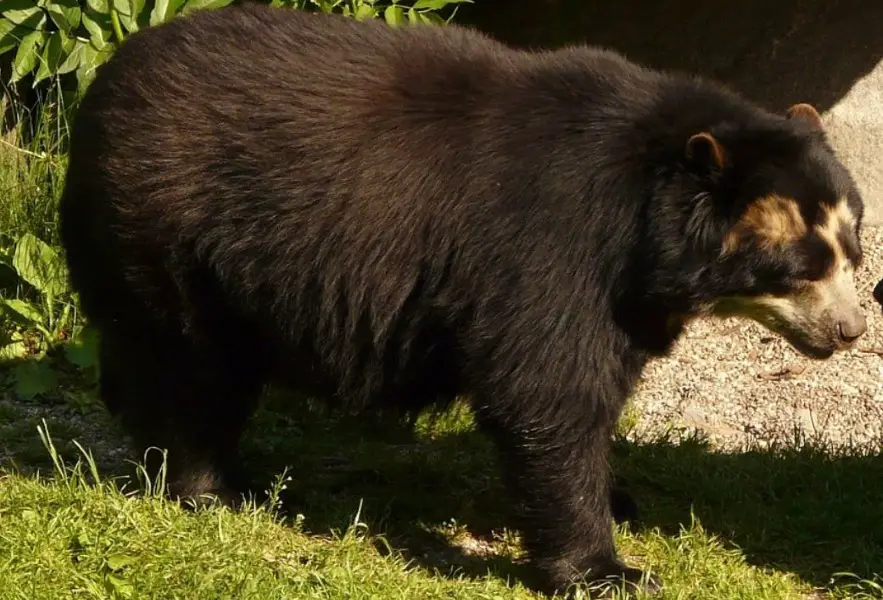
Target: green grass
31, 174
373, 509
63, 538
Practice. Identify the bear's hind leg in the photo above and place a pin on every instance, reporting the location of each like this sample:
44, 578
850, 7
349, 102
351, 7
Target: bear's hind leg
192, 402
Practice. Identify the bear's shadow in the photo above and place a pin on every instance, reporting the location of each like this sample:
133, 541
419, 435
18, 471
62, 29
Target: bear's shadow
412, 490
802, 511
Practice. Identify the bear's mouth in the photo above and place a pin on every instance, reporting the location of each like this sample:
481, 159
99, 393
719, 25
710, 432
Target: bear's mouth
818, 343
808, 348
810, 337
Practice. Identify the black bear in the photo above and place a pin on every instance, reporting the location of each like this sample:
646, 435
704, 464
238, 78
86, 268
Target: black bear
398, 217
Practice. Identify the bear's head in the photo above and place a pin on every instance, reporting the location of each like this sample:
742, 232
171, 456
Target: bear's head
783, 218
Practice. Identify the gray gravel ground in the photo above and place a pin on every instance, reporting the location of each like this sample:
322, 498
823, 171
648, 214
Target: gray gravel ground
736, 383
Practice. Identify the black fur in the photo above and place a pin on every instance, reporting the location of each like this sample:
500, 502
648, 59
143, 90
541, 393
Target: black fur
392, 218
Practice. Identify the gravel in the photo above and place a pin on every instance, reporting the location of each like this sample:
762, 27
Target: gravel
736, 384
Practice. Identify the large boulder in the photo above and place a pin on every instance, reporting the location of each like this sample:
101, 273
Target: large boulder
778, 52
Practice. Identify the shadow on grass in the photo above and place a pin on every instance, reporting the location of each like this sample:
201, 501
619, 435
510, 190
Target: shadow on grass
797, 509
417, 486
803, 510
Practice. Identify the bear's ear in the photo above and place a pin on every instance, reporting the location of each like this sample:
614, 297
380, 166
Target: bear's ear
705, 152
805, 113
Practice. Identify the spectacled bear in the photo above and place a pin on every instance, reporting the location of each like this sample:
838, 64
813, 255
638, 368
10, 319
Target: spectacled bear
395, 217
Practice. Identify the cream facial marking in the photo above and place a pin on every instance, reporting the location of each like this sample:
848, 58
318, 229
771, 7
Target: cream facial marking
836, 218
774, 221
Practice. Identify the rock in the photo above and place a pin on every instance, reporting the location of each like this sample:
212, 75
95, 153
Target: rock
825, 52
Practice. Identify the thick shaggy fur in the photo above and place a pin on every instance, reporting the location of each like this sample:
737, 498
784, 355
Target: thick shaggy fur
392, 218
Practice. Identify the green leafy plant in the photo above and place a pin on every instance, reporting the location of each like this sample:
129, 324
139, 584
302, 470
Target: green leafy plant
395, 13
40, 267
53, 38
41, 319
32, 326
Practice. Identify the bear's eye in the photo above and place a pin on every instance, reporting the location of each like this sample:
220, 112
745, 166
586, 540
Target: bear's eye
813, 258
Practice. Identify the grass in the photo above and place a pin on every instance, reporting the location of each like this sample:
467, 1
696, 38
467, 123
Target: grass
31, 173
392, 513
63, 538
372, 509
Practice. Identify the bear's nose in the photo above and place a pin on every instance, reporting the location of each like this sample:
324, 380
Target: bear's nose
853, 328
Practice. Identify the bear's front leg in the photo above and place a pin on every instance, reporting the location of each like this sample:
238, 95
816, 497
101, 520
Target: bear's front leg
555, 461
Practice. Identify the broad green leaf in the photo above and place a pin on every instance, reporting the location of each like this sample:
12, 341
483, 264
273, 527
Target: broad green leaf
18, 10
10, 35
99, 27
160, 12
83, 351
56, 51
193, 5
21, 311
326, 6
13, 350
164, 10
72, 61
27, 55
95, 57
99, 6
6, 28
13, 32
365, 11
41, 266
90, 59
394, 15
85, 76
124, 7
436, 4
127, 10
65, 13
430, 19
130, 18
33, 378
141, 10
28, 16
